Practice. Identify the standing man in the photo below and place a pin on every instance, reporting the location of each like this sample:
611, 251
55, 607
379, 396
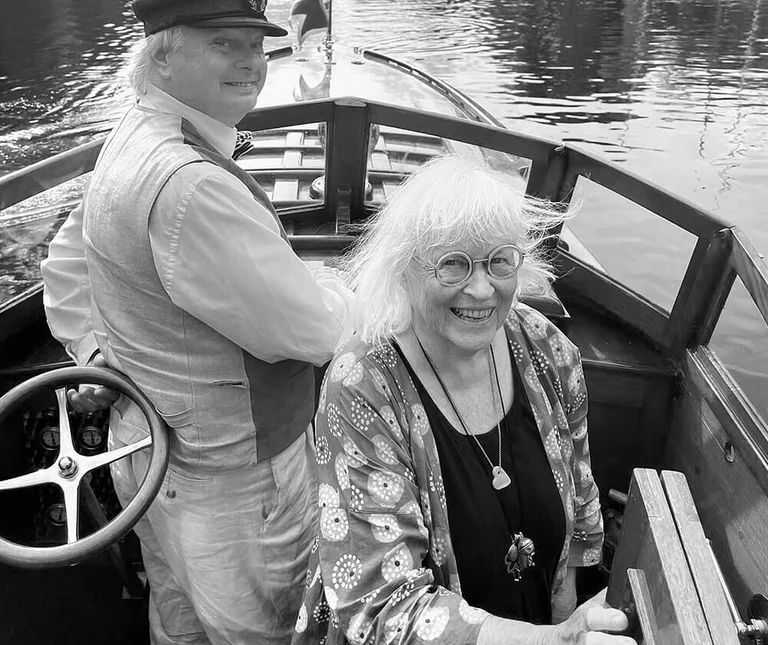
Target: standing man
177, 272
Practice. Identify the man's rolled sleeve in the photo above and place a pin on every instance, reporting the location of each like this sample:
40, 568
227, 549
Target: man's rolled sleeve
67, 290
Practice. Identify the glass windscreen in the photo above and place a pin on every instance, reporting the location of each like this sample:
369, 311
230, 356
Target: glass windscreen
394, 153
308, 76
605, 221
288, 163
740, 341
26, 229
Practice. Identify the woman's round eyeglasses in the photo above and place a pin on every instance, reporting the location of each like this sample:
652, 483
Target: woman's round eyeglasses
455, 267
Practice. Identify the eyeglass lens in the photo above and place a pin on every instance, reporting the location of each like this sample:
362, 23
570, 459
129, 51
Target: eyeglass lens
502, 263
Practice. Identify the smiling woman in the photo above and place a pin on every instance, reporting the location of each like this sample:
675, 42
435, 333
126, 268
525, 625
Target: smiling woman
456, 493
449, 205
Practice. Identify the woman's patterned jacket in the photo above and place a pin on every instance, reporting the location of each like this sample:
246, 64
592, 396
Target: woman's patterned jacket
383, 568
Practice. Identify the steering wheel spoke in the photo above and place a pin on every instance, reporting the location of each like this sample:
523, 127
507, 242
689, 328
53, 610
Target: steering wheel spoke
66, 445
104, 458
72, 509
42, 476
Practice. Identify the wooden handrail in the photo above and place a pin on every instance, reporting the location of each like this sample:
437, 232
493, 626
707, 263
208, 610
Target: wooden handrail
21, 184
720, 253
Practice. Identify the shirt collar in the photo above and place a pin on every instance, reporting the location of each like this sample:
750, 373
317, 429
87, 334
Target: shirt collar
220, 135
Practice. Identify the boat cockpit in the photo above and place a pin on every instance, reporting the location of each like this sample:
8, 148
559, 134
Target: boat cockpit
660, 398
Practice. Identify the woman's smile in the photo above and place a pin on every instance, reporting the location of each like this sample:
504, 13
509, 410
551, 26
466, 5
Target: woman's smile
472, 315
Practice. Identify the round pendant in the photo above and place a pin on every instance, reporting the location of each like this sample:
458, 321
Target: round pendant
500, 478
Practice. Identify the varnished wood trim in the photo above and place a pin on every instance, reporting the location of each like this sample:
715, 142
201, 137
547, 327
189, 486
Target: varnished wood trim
649, 541
346, 159
24, 183
337, 243
281, 116
702, 293
545, 180
746, 429
699, 556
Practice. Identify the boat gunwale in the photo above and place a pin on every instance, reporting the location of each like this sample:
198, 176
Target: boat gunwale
741, 422
555, 168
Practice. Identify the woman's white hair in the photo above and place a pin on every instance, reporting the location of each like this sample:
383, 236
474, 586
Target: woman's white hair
140, 69
447, 203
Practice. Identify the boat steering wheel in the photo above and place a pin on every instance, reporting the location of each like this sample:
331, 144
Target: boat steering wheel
70, 467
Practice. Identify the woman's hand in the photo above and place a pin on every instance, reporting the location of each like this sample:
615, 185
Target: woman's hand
593, 623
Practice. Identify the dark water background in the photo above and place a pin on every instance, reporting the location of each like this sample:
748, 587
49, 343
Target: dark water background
675, 90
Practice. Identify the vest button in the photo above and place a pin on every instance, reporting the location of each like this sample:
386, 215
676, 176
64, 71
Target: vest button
171, 494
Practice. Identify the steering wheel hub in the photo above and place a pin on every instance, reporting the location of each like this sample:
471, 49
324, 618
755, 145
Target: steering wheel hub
67, 467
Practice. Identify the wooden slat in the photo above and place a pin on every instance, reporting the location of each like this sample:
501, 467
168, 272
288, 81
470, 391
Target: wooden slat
608, 294
335, 243
294, 139
308, 174
751, 269
699, 556
380, 161
285, 190
643, 602
292, 159
277, 148
731, 496
649, 541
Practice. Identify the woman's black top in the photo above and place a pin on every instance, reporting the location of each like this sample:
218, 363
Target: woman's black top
483, 519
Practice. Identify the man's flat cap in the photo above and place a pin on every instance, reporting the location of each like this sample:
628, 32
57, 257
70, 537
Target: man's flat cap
161, 14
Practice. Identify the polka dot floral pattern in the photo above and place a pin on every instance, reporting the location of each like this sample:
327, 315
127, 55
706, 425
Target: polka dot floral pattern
387, 570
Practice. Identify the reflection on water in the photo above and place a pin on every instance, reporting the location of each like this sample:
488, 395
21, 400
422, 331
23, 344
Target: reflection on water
676, 90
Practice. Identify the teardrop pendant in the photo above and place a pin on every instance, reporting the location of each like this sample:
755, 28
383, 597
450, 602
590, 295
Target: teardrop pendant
500, 478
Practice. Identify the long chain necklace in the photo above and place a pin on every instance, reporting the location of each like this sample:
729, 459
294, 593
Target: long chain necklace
500, 479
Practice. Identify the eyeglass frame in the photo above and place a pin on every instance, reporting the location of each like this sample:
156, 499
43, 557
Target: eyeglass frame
434, 267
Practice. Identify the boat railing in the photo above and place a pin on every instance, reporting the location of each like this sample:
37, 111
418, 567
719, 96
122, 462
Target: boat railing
721, 251
555, 168
26, 182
